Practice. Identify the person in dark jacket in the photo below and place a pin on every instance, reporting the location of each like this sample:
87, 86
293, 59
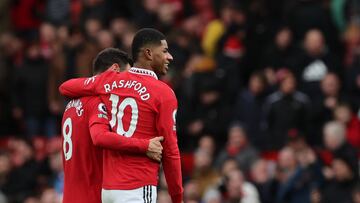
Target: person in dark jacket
285, 109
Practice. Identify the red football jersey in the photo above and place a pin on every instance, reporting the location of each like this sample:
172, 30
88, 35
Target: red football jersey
81, 159
141, 106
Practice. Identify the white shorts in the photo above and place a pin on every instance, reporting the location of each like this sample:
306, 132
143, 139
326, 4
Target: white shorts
146, 194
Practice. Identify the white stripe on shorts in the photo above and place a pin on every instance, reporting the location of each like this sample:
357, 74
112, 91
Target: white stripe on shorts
146, 194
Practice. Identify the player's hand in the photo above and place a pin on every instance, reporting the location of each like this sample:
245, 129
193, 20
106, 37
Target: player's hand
155, 145
155, 149
154, 156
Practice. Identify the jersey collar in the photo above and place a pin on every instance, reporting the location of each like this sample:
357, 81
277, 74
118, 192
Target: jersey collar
142, 71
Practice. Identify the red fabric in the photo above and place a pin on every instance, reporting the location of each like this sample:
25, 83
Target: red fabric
102, 137
156, 105
353, 132
270, 155
83, 171
187, 163
23, 14
326, 156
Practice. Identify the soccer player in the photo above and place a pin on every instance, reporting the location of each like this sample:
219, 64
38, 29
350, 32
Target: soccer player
141, 107
82, 160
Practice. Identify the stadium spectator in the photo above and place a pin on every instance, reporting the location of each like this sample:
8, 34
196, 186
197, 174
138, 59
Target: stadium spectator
263, 180
285, 109
204, 174
340, 187
335, 141
314, 62
30, 96
343, 114
295, 178
323, 105
239, 148
249, 109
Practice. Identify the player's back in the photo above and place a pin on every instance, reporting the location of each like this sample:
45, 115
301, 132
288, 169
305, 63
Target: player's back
134, 100
82, 160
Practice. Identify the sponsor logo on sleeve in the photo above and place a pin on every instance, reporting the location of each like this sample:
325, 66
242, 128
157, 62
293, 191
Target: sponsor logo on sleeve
102, 111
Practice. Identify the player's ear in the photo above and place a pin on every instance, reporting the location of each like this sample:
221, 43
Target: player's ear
148, 53
115, 67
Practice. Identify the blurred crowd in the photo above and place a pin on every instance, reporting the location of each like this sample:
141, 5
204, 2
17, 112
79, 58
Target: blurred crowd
268, 92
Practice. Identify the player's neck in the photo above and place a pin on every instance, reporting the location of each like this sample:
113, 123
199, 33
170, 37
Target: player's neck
143, 66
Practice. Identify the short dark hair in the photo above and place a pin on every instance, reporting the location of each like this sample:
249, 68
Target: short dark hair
108, 57
143, 37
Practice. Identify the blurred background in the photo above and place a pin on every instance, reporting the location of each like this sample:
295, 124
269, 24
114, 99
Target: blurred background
268, 91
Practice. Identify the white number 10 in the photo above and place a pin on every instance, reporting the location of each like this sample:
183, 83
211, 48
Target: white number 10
117, 114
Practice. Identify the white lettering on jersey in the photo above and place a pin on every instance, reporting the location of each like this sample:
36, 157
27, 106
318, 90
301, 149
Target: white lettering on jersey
130, 84
76, 103
90, 80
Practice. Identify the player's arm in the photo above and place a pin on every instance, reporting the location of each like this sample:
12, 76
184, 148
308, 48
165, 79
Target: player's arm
78, 87
103, 137
171, 155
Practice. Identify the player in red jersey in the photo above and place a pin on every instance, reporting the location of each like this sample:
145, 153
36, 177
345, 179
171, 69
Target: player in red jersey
141, 107
82, 160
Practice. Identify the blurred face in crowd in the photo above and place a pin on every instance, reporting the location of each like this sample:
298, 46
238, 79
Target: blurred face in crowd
283, 38
226, 14
256, 85
341, 170
105, 39
127, 39
151, 5
166, 13
356, 195
33, 52
21, 152
63, 33
202, 160
5, 164
9, 44
287, 159
259, 171
228, 166
334, 135
330, 85
342, 114
92, 27
50, 196
234, 184
207, 144
191, 191
237, 137
118, 26
161, 58
209, 97
47, 32
314, 42
288, 84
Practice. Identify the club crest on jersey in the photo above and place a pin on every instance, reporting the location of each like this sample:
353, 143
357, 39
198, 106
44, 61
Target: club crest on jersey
102, 111
76, 103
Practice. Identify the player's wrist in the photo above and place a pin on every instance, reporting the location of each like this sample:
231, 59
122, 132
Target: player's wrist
144, 145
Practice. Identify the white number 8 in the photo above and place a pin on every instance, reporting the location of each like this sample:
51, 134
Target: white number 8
67, 138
